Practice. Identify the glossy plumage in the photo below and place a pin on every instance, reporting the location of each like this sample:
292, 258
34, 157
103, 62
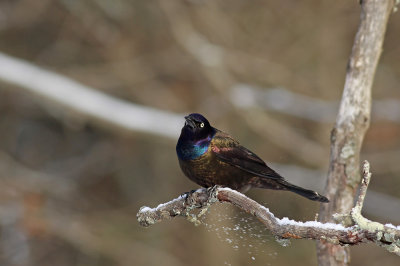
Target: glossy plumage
211, 157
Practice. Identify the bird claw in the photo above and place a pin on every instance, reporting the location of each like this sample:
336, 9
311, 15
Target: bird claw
212, 190
188, 194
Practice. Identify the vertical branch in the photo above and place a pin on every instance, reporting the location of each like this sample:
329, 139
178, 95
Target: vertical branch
352, 122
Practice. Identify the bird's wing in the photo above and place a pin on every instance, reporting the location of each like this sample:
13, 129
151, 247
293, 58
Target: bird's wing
230, 151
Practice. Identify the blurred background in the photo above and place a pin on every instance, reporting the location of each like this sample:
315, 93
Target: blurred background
270, 73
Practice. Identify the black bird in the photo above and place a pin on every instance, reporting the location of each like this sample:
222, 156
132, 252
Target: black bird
211, 157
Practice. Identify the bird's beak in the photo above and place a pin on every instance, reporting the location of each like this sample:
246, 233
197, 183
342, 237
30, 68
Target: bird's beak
190, 122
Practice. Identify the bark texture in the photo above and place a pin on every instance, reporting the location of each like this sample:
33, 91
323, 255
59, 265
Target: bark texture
352, 123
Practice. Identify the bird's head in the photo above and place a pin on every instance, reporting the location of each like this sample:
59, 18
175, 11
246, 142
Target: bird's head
197, 127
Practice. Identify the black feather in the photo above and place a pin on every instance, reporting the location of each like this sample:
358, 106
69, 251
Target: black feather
211, 157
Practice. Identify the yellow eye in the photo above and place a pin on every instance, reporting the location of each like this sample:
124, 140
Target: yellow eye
202, 125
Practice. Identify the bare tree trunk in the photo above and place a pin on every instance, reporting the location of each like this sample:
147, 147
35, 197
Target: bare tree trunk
352, 122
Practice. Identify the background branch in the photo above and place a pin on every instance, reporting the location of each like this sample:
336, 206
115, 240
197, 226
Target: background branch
90, 104
286, 101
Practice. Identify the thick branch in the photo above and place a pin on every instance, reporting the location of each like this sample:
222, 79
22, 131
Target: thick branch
353, 121
387, 236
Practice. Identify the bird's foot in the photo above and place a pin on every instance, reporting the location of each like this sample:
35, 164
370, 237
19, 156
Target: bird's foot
188, 194
212, 191
212, 197
199, 200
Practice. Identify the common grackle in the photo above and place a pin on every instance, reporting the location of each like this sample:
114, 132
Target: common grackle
211, 157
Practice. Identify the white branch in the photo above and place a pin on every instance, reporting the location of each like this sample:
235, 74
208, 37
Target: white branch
284, 101
88, 102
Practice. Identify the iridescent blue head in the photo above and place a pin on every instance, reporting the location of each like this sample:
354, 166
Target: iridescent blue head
195, 137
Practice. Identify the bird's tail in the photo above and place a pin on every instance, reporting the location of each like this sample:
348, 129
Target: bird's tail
281, 184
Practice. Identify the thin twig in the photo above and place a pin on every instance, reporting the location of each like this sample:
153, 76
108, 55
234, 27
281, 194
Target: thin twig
364, 186
363, 223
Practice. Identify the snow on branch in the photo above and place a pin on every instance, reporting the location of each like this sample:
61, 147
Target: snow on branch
362, 230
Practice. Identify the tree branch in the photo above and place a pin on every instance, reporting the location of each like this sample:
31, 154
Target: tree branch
387, 236
352, 122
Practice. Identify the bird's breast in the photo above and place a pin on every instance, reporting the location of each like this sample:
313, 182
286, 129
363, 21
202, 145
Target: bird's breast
200, 169
191, 151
